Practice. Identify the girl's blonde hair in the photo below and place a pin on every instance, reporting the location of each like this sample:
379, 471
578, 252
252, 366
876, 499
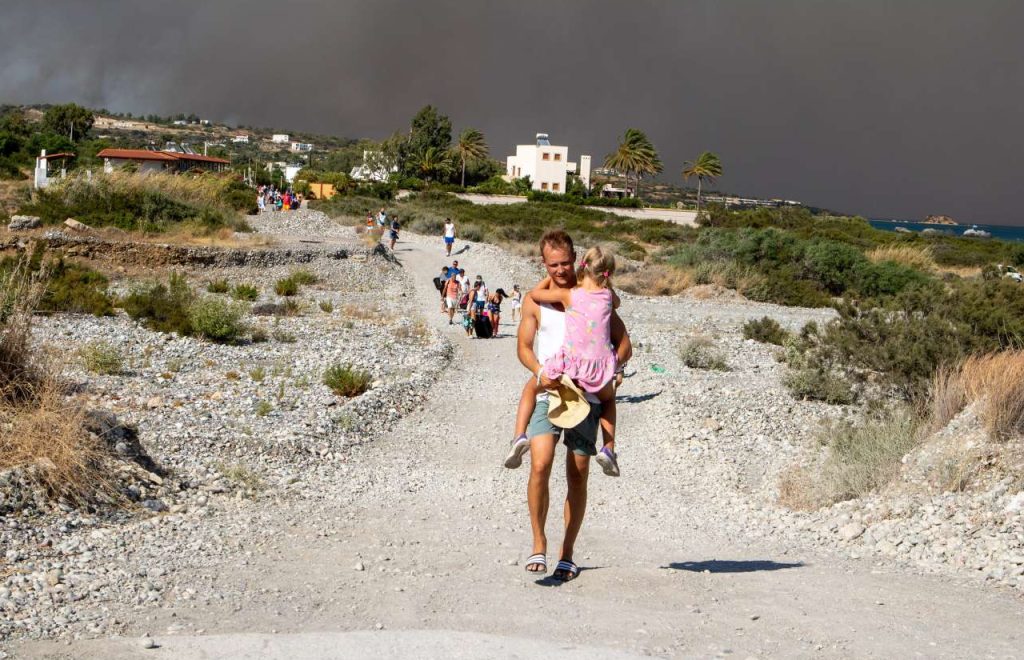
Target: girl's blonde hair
598, 264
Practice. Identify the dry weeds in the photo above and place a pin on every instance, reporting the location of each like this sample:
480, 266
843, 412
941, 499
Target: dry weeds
655, 280
921, 258
997, 381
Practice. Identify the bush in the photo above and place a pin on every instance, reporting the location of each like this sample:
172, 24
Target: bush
162, 308
819, 383
995, 381
303, 277
75, 288
765, 330
245, 292
326, 306
286, 287
146, 202
217, 319
699, 353
866, 455
345, 380
218, 286
101, 357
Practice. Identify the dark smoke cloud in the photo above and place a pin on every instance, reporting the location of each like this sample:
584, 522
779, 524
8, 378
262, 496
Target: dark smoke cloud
889, 109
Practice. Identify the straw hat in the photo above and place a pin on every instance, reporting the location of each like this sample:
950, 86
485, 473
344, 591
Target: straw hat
567, 407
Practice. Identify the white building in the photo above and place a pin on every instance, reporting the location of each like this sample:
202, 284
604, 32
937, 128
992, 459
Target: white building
376, 167
301, 147
279, 138
240, 139
546, 165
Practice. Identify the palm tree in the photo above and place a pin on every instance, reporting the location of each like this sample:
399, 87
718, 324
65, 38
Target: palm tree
471, 146
433, 162
634, 154
706, 168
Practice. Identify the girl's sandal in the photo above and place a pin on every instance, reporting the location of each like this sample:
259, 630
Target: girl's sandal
537, 560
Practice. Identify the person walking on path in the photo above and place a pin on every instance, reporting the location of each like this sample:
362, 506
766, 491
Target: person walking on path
494, 309
451, 297
449, 235
516, 300
395, 228
545, 324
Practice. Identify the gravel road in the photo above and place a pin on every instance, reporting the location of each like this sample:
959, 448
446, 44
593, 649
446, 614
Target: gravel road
413, 544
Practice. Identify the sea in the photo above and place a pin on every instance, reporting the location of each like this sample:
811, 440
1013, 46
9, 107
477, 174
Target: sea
1001, 232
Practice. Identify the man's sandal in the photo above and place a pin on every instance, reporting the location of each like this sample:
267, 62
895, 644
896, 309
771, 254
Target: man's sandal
537, 560
566, 571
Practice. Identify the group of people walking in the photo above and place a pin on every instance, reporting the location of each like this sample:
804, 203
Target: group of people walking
277, 200
479, 307
384, 223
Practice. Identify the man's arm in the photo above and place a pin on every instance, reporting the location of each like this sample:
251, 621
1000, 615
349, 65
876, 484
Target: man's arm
524, 341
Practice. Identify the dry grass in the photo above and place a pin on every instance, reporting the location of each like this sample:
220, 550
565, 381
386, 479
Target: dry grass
862, 457
963, 272
41, 431
996, 380
921, 258
363, 313
45, 435
417, 332
655, 280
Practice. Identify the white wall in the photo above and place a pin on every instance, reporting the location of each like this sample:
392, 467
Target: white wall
529, 161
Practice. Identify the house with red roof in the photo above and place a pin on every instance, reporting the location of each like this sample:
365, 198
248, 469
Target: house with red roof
160, 161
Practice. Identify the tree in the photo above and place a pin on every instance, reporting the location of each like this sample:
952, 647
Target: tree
635, 154
432, 164
471, 146
429, 129
707, 167
69, 119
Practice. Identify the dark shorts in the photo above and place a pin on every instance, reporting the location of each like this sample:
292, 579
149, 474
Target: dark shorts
478, 304
449, 239
581, 440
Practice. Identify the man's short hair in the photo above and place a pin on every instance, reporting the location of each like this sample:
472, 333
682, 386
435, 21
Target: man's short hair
557, 239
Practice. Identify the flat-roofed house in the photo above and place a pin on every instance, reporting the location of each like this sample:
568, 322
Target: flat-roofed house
159, 161
547, 165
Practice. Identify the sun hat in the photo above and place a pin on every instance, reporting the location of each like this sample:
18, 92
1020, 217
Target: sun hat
567, 407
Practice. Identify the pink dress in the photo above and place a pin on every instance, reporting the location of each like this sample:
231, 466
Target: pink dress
586, 355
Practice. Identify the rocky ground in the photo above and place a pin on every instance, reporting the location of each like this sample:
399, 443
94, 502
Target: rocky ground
391, 511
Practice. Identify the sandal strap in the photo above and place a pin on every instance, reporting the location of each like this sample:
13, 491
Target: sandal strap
565, 565
537, 559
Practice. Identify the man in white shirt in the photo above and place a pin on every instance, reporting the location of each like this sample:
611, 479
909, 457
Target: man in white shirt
546, 325
449, 235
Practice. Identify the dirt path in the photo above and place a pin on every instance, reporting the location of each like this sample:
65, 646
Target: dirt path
426, 532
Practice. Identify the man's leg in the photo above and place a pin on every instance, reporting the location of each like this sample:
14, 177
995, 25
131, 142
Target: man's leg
577, 469
542, 448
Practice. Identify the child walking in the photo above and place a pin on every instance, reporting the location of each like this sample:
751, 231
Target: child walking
586, 355
517, 303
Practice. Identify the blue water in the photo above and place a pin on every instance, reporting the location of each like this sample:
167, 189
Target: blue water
998, 231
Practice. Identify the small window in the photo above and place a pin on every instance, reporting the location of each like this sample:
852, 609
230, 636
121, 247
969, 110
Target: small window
554, 186
544, 186
546, 156
558, 156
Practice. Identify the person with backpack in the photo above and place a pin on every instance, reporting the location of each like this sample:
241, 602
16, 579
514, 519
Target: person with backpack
439, 283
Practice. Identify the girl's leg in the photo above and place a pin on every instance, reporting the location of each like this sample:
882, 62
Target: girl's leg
495, 320
607, 397
527, 402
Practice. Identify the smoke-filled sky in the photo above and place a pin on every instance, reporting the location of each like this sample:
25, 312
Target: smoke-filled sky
895, 108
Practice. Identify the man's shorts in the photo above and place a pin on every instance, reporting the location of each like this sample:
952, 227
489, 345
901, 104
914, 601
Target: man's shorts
581, 440
478, 305
449, 239
450, 302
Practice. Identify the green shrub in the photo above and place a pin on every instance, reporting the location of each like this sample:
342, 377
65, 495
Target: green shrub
160, 307
887, 278
471, 233
326, 306
102, 357
345, 380
286, 287
811, 374
75, 288
217, 319
765, 330
291, 307
218, 286
700, 353
284, 337
258, 334
834, 265
303, 277
245, 292
263, 408
257, 374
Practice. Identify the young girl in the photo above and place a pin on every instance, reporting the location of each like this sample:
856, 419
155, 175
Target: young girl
586, 355
517, 302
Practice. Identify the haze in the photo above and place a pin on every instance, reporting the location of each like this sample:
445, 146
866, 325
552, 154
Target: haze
894, 110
